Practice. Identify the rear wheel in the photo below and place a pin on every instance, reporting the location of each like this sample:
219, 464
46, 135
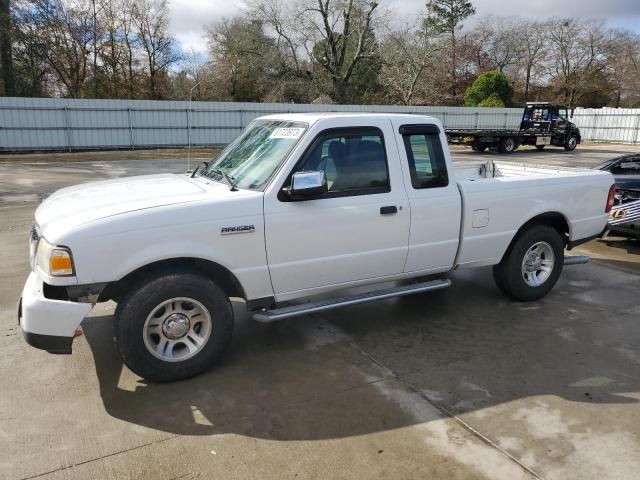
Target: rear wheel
173, 326
507, 145
532, 264
571, 143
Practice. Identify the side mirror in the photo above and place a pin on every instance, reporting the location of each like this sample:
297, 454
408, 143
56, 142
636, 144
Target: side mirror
306, 185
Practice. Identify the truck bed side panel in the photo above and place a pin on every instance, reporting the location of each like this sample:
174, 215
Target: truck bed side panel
496, 208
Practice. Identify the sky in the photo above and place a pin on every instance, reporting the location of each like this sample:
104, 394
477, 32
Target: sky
189, 18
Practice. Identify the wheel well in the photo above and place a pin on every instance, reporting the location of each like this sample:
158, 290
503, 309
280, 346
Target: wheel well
222, 276
553, 219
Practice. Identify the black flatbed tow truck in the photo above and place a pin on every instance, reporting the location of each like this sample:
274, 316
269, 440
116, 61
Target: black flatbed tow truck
542, 124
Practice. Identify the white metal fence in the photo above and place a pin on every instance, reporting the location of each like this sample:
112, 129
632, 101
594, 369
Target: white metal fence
63, 124
612, 125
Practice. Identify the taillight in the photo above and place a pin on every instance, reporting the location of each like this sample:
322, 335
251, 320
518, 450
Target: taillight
611, 199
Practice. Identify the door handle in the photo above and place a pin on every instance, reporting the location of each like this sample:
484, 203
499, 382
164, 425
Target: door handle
389, 210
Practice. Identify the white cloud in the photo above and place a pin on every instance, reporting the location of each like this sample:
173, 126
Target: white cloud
189, 18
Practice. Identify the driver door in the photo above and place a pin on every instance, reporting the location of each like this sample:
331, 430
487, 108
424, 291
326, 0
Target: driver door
358, 230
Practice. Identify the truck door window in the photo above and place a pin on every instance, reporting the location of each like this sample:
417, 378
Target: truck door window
353, 159
426, 160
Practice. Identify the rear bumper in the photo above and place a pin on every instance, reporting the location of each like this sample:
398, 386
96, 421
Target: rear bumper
46, 323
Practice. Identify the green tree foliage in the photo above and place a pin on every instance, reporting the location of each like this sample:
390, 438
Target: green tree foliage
488, 90
446, 17
492, 101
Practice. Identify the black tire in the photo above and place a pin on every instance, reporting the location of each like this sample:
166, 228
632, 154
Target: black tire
509, 275
138, 304
540, 147
478, 147
507, 145
571, 143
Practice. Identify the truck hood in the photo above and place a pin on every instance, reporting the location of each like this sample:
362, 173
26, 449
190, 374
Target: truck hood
80, 204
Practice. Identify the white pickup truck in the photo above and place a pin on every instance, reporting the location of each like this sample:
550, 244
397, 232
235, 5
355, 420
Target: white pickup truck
289, 217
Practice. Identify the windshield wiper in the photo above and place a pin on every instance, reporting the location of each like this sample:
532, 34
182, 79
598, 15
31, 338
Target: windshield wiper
232, 182
206, 164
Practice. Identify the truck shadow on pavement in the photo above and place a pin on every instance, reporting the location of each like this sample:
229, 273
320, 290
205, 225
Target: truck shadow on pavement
351, 371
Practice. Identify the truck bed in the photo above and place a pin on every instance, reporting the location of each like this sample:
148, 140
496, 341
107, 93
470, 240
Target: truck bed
477, 170
495, 132
499, 197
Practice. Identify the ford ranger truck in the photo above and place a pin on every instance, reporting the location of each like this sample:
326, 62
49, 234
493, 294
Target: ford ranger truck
290, 217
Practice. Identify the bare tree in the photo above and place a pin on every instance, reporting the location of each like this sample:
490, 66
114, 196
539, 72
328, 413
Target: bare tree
31, 67
534, 51
579, 54
151, 21
6, 48
66, 30
277, 15
622, 65
242, 54
339, 36
445, 17
407, 53
503, 44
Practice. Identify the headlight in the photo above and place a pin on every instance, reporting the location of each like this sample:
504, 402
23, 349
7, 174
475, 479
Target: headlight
34, 236
53, 260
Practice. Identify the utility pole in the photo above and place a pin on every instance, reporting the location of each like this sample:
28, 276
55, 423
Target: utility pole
189, 127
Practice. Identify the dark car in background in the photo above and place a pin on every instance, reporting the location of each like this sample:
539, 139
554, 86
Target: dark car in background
625, 216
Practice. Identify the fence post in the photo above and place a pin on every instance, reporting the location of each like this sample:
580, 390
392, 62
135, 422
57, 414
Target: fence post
477, 114
444, 119
131, 142
67, 128
595, 125
506, 119
637, 129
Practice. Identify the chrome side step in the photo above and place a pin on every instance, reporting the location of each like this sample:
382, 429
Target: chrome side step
576, 259
276, 314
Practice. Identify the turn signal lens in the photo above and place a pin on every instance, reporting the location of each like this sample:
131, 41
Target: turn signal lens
611, 199
60, 262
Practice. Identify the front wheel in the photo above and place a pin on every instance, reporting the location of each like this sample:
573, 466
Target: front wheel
507, 145
571, 143
532, 265
173, 326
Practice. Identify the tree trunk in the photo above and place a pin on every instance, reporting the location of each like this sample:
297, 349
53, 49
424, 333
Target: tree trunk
454, 77
526, 84
6, 54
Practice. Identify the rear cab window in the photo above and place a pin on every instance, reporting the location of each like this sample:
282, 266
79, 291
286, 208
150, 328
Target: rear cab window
425, 156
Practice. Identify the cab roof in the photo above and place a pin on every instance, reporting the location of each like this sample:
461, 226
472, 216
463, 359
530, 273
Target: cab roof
313, 117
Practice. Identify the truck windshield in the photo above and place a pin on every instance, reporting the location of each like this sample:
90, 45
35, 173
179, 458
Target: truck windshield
254, 156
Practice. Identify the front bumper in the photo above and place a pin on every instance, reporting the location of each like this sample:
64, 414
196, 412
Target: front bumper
46, 323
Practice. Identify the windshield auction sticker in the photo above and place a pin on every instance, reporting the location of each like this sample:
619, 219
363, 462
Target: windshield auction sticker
287, 132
